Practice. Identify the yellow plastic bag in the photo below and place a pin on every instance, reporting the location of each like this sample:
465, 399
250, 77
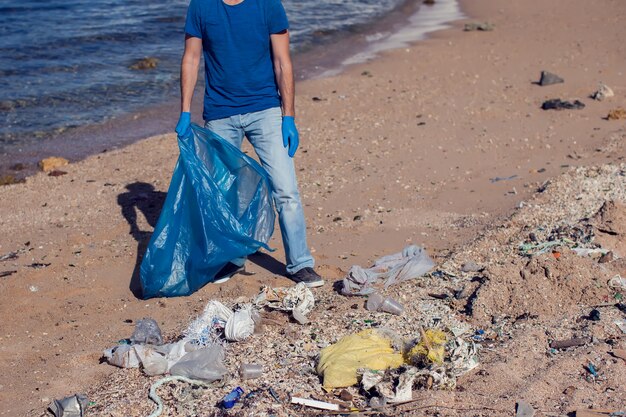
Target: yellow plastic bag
431, 347
369, 349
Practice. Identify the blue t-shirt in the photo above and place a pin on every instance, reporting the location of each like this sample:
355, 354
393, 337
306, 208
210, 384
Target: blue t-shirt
239, 73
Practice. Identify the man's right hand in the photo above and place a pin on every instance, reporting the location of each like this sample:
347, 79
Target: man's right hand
183, 127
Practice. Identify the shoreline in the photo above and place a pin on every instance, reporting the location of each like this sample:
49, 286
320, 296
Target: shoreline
405, 148
329, 58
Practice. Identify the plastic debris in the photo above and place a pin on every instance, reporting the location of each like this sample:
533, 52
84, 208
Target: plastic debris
338, 363
376, 302
370, 378
73, 406
298, 299
412, 262
154, 396
123, 356
603, 91
404, 389
147, 331
621, 323
524, 409
548, 78
232, 397
617, 283
250, 370
592, 369
217, 319
206, 364
530, 249
315, 404
558, 104
589, 251
430, 349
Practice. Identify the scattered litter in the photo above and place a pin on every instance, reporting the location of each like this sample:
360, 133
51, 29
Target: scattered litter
371, 378
123, 356
9, 256
147, 331
154, 397
606, 257
73, 406
592, 369
485, 27
404, 389
376, 302
371, 349
524, 409
33, 288
298, 299
250, 370
588, 251
232, 397
430, 349
548, 78
206, 363
594, 315
589, 412
616, 114
530, 249
564, 344
603, 91
217, 319
315, 404
621, 323
412, 262
377, 402
39, 265
498, 179
274, 395
7, 273
558, 104
617, 283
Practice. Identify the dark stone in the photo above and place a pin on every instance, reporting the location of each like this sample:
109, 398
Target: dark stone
548, 78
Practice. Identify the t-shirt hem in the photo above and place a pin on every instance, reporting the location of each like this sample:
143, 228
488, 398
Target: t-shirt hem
233, 111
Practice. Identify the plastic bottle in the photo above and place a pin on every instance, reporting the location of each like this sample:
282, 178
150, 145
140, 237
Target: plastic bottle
232, 397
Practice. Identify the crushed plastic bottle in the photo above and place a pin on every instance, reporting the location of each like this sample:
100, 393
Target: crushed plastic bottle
232, 397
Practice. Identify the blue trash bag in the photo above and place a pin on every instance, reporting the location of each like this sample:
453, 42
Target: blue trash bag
218, 208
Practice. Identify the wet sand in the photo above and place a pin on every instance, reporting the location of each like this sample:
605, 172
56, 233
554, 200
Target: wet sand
405, 148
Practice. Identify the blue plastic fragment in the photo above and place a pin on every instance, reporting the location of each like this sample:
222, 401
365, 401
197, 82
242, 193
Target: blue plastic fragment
592, 369
218, 208
232, 397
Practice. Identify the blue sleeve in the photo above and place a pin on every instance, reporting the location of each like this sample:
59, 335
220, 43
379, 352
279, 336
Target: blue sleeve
193, 24
276, 16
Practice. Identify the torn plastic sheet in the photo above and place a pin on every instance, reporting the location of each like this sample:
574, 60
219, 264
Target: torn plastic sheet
298, 299
73, 406
206, 364
236, 326
412, 262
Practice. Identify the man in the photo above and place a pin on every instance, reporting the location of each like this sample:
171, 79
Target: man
249, 90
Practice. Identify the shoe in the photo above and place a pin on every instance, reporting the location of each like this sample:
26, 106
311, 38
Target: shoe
307, 275
227, 272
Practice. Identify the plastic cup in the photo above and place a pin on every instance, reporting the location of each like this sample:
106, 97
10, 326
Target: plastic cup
390, 305
374, 301
250, 370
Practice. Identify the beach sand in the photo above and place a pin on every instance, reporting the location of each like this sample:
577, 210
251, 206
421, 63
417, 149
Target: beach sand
438, 144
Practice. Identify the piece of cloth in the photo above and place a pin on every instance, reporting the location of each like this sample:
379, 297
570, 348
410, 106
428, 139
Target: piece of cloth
263, 130
239, 72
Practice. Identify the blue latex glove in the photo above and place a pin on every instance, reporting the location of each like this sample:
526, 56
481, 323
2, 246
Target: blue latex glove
290, 135
183, 127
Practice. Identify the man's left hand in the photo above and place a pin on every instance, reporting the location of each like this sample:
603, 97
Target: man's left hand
290, 135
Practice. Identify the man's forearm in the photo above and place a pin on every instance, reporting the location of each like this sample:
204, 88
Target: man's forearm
286, 87
188, 78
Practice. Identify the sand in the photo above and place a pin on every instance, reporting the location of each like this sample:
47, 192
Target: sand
406, 148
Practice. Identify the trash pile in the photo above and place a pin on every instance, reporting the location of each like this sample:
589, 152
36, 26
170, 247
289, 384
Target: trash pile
382, 364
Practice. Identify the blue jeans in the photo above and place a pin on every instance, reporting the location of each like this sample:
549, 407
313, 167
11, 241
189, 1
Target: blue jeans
263, 130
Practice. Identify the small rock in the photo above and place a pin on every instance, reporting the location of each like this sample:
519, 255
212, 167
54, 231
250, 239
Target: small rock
470, 267
484, 27
145, 63
604, 91
558, 104
616, 114
345, 395
52, 163
548, 78
607, 257
594, 315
